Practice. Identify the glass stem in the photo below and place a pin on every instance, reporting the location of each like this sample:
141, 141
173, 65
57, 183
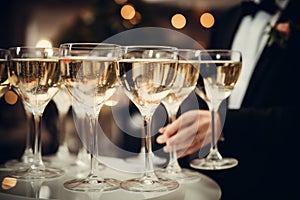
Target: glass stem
93, 142
63, 146
214, 154
213, 140
37, 150
142, 150
173, 165
36, 186
27, 156
149, 169
94, 147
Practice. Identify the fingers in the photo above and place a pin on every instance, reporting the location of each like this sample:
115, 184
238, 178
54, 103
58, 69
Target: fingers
189, 133
161, 139
183, 121
168, 131
191, 146
183, 138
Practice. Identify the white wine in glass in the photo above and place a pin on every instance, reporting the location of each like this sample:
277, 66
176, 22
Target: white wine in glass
26, 159
88, 71
220, 70
187, 75
146, 73
36, 76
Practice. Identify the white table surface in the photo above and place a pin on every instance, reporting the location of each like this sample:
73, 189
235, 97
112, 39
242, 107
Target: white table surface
204, 188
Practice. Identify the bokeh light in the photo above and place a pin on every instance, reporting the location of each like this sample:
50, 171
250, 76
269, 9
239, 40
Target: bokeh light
207, 20
10, 97
136, 19
178, 21
8, 183
127, 12
43, 43
120, 2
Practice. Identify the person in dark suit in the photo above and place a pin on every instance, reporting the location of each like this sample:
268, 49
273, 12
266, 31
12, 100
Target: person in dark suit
261, 124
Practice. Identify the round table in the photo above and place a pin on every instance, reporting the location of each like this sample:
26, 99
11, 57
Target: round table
13, 189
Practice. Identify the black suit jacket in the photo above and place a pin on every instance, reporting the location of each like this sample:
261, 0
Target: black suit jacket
264, 134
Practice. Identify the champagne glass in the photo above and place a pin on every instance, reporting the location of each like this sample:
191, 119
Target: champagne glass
89, 73
83, 156
220, 70
185, 82
4, 82
27, 156
63, 102
146, 74
35, 75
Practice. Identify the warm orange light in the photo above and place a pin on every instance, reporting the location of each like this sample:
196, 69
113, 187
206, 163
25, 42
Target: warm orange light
11, 97
136, 19
178, 21
127, 12
120, 2
127, 24
207, 20
8, 183
44, 43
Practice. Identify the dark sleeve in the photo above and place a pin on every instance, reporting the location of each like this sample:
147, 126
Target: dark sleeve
259, 123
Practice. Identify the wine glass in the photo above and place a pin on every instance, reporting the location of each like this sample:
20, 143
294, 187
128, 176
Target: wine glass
220, 70
146, 74
63, 102
185, 82
88, 71
35, 75
6, 83
4, 80
27, 157
83, 156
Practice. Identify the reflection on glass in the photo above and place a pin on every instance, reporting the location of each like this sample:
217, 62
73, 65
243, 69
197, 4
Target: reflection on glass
89, 74
184, 84
146, 74
220, 70
35, 75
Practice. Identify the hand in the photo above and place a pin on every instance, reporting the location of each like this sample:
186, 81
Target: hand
190, 132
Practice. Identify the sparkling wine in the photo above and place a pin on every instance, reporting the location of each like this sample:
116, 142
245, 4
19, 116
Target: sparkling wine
147, 81
219, 70
200, 89
90, 81
36, 80
219, 78
184, 84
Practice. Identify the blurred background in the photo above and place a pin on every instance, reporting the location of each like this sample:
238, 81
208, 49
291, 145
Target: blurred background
32, 22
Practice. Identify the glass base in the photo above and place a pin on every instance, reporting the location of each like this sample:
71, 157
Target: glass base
37, 173
92, 184
207, 164
140, 159
150, 185
17, 165
183, 175
20, 164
